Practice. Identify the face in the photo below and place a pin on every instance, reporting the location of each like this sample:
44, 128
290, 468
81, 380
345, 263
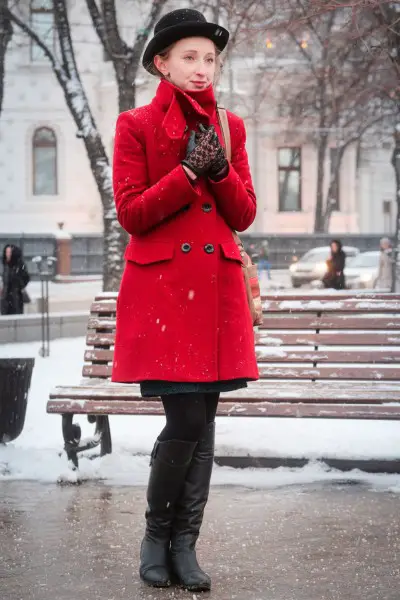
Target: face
190, 64
334, 247
8, 253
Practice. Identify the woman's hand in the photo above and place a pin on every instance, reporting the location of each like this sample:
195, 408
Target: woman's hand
219, 165
201, 151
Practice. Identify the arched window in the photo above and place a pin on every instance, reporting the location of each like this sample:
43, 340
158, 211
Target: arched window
44, 148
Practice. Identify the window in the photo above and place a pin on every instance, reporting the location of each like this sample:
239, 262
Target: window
42, 22
334, 178
289, 173
44, 149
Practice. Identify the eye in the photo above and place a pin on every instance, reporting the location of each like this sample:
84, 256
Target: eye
188, 58
210, 60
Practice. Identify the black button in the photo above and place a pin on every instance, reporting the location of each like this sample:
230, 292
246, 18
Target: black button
186, 247
209, 248
207, 207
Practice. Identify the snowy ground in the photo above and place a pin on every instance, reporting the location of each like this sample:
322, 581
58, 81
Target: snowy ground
36, 454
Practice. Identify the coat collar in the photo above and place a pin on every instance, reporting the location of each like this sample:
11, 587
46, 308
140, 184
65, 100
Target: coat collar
177, 103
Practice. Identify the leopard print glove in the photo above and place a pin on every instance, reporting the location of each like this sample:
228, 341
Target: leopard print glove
218, 165
200, 157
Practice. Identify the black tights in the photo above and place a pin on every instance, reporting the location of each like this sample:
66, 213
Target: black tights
187, 415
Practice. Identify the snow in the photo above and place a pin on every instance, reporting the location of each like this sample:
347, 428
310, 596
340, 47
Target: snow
37, 453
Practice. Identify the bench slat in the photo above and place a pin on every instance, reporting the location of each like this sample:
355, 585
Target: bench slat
309, 305
258, 409
290, 321
300, 391
290, 372
274, 354
324, 372
349, 322
372, 357
327, 338
299, 295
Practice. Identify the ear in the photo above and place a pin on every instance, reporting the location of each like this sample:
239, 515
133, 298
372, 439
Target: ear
160, 65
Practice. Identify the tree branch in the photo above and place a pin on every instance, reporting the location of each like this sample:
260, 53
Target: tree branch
56, 65
98, 22
142, 37
114, 43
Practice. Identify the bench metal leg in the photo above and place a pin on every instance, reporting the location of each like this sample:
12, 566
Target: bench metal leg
73, 442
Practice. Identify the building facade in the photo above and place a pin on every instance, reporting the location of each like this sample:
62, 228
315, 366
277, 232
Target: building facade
46, 179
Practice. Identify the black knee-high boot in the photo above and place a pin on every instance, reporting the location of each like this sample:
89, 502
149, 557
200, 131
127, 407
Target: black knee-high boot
189, 511
169, 464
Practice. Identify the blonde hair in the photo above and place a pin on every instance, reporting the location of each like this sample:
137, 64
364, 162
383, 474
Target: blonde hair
164, 54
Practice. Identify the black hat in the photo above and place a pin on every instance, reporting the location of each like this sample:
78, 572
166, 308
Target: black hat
179, 24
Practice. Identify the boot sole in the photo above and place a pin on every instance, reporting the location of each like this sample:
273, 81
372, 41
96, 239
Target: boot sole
153, 584
195, 588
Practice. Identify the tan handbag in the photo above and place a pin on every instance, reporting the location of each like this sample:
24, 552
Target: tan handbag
249, 269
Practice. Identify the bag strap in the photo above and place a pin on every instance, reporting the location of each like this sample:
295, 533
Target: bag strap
226, 133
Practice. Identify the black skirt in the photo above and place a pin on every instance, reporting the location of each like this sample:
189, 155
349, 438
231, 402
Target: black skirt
164, 388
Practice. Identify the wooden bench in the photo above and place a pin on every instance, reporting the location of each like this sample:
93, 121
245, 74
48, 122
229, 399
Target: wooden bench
329, 356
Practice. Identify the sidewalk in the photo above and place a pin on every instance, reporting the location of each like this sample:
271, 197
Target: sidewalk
320, 542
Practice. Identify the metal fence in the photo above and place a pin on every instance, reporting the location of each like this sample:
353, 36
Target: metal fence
87, 250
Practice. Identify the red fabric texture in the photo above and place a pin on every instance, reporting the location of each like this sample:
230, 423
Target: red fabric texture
181, 315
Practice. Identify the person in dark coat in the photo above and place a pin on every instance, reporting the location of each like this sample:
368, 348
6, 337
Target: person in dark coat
334, 277
184, 329
15, 279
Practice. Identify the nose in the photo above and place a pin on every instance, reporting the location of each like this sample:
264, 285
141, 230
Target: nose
201, 69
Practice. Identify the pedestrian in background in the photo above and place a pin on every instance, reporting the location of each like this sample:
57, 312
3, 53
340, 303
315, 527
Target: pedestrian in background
385, 273
263, 261
15, 278
334, 276
184, 328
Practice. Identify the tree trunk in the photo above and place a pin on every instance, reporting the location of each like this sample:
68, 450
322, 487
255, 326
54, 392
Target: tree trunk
396, 165
5, 37
126, 95
319, 201
333, 183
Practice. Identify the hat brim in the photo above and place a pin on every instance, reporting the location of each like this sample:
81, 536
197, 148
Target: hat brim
217, 34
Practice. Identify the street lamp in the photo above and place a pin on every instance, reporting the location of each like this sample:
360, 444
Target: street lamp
396, 166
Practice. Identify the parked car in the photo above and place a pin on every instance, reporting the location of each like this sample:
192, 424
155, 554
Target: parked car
362, 271
312, 266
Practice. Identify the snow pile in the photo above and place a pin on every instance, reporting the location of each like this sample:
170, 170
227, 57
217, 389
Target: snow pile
37, 453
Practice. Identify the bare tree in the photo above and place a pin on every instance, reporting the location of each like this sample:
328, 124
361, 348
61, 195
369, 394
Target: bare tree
376, 26
67, 73
338, 91
5, 37
124, 57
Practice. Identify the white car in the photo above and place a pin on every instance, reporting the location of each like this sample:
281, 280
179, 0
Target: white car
362, 271
312, 266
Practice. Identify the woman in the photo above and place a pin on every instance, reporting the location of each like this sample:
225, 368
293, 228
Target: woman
15, 279
334, 277
385, 273
184, 330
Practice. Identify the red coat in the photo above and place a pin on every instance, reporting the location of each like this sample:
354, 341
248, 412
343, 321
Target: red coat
182, 313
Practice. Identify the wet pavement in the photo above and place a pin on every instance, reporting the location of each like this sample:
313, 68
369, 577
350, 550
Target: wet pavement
319, 542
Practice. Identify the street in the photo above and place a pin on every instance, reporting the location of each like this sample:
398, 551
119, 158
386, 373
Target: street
331, 541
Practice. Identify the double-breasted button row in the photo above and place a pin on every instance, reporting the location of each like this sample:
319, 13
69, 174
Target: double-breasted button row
208, 248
